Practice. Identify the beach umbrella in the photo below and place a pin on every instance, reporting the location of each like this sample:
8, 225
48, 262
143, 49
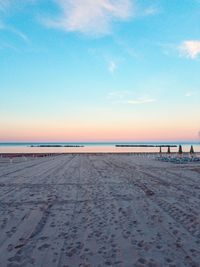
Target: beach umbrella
180, 151
191, 150
168, 150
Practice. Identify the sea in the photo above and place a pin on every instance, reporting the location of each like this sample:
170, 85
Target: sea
91, 147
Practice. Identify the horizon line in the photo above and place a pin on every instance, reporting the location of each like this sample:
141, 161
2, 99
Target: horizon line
106, 141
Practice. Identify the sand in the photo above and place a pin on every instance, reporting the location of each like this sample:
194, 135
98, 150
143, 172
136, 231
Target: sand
99, 210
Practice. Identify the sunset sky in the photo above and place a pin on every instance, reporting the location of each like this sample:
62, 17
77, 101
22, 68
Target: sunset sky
99, 70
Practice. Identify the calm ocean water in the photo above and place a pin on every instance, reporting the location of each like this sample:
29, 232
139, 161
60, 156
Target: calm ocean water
90, 147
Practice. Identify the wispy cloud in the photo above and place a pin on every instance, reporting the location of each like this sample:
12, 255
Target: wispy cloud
152, 11
15, 31
91, 17
129, 97
112, 66
20, 34
4, 4
190, 93
119, 95
8, 46
5, 7
147, 8
190, 49
141, 101
149, 11
12, 6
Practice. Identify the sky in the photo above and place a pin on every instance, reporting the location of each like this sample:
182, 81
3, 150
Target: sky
99, 70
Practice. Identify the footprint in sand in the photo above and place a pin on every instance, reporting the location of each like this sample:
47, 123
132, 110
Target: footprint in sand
43, 247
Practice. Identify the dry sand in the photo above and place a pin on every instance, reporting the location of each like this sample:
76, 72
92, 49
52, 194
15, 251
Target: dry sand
99, 210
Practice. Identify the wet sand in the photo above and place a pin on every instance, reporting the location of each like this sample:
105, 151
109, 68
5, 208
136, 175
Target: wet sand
99, 210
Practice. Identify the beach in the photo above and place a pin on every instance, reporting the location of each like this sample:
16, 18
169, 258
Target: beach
81, 210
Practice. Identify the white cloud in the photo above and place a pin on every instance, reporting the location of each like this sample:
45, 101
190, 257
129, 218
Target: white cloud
112, 66
190, 93
93, 17
119, 95
190, 49
129, 97
141, 101
150, 11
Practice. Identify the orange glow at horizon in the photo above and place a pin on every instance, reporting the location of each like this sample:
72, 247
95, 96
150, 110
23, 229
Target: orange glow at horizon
86, 133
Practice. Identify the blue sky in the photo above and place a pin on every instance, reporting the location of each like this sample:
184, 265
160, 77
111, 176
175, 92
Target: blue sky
99, 70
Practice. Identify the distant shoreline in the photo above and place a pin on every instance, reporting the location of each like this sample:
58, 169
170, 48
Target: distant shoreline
56, 146
146, 145
96, 147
